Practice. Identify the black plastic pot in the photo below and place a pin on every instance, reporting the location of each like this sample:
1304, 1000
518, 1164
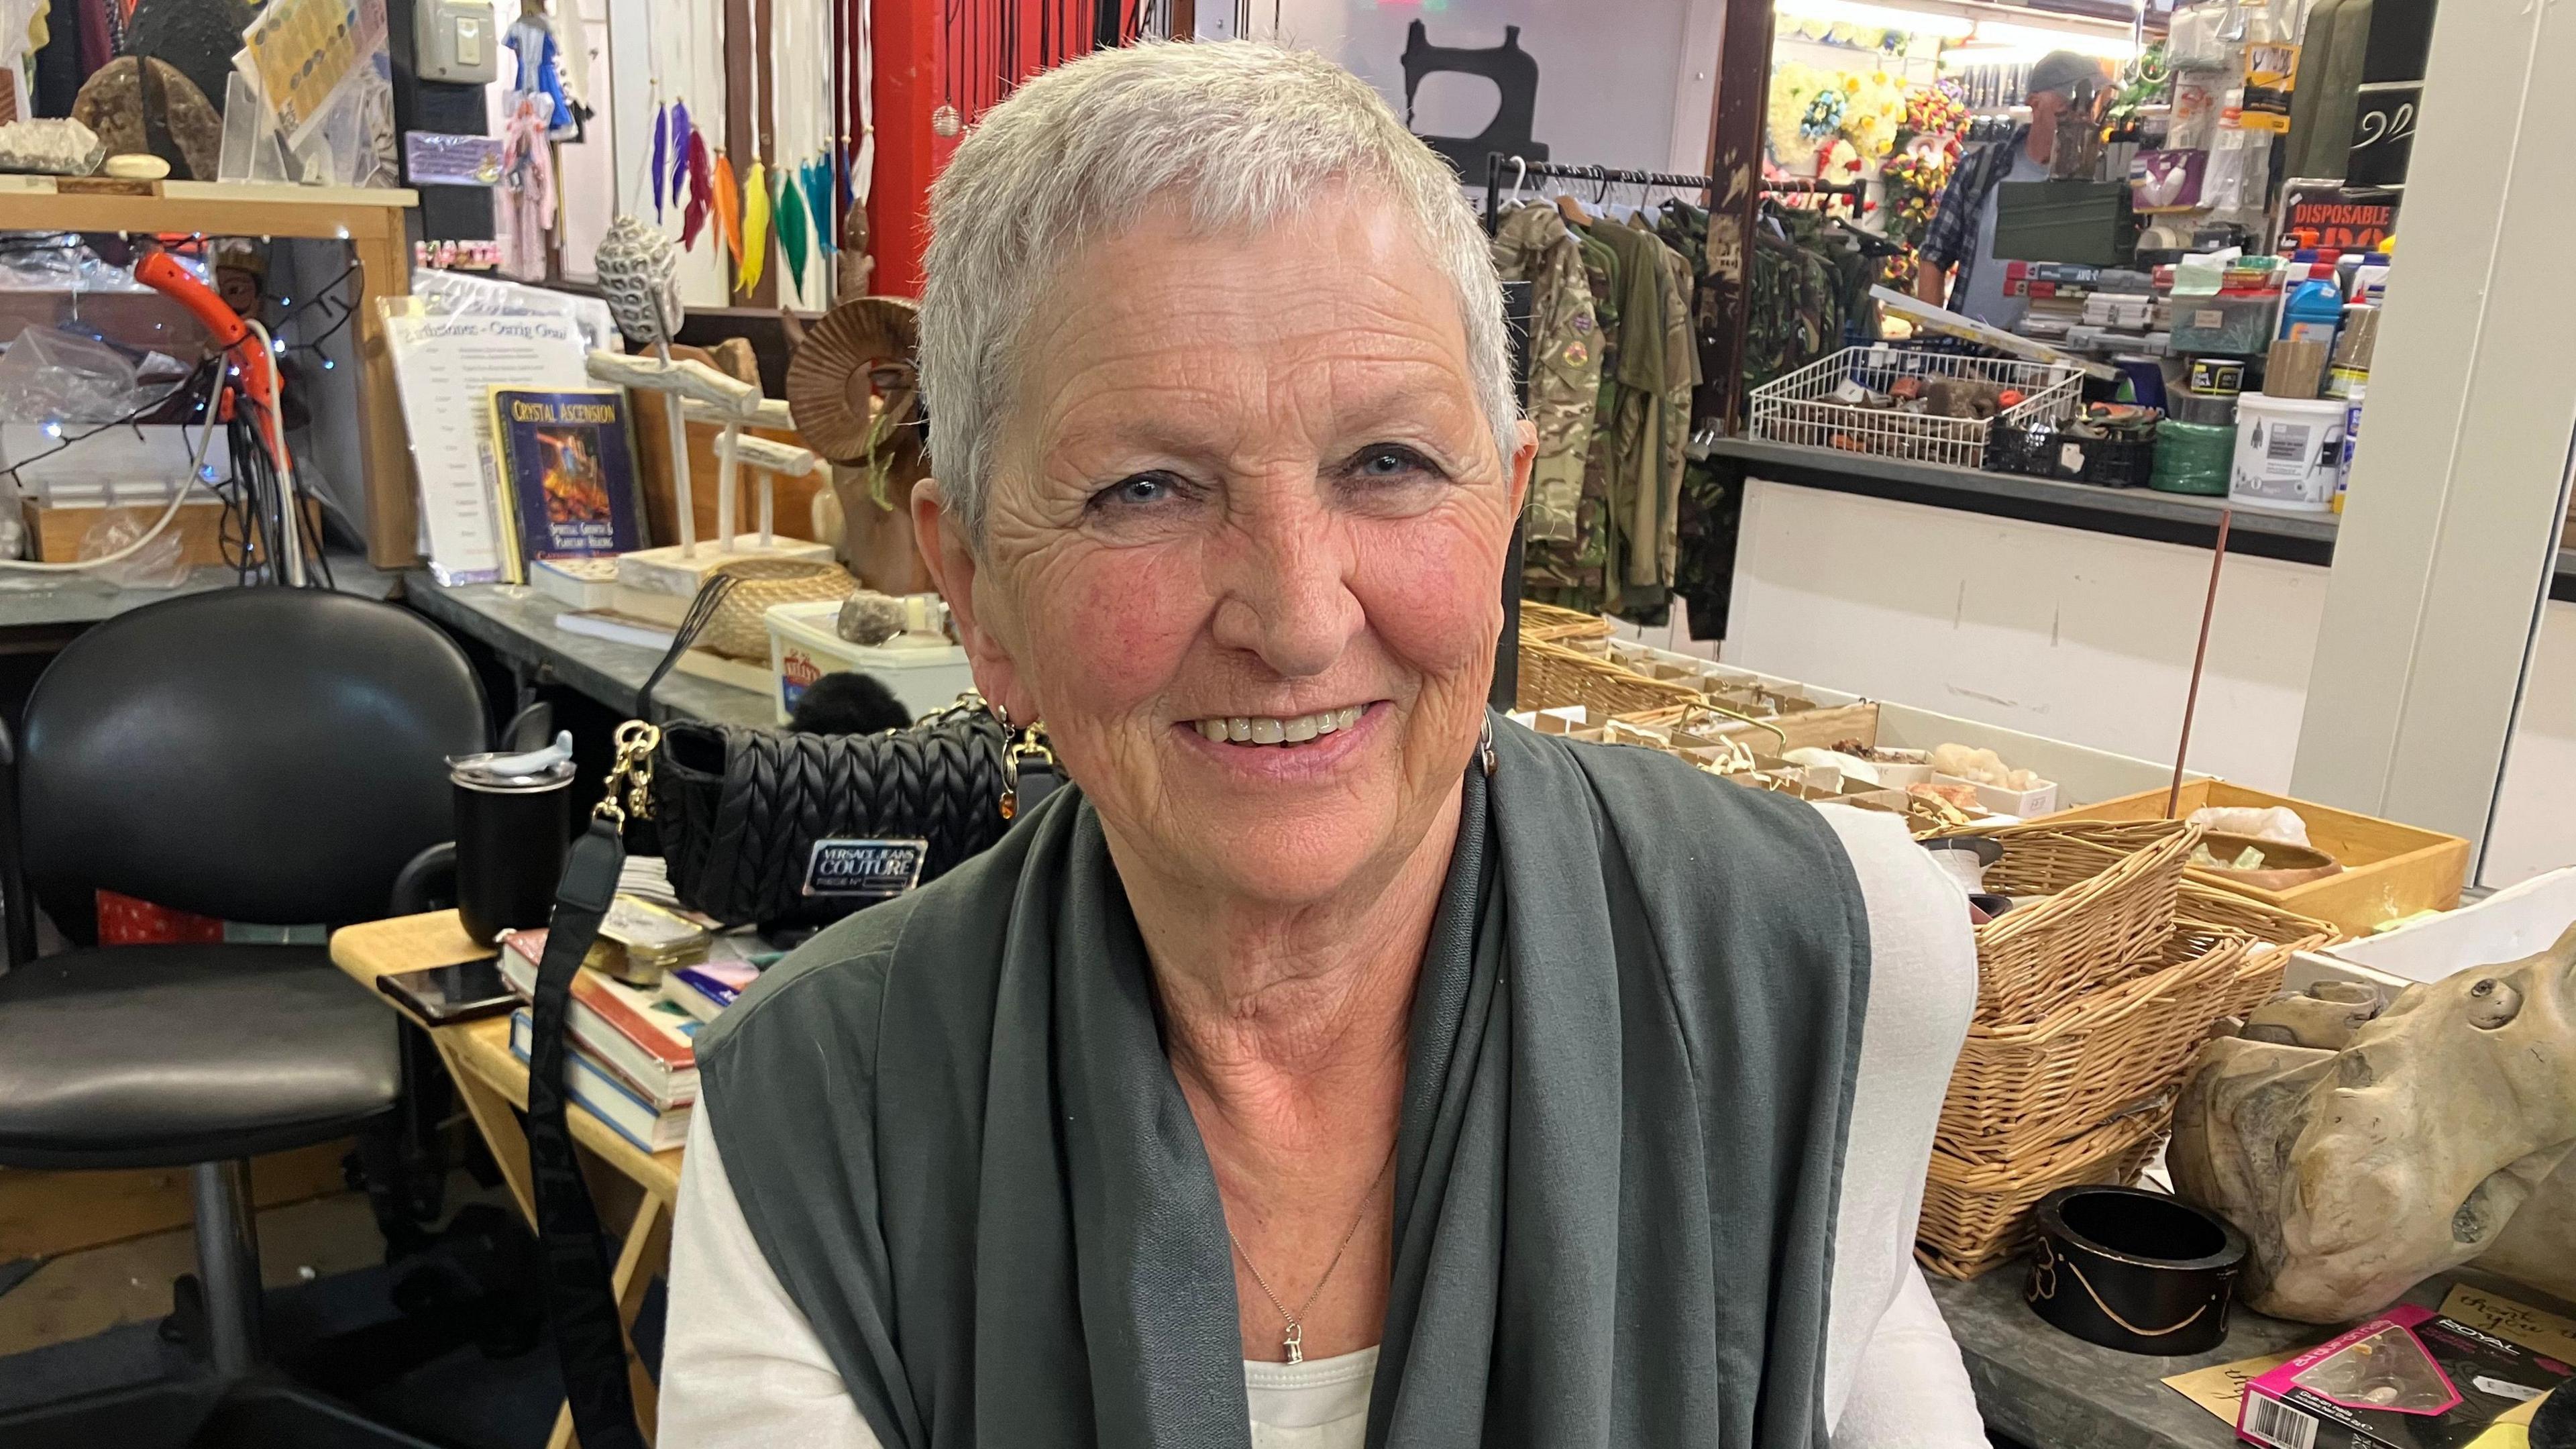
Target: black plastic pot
2137, 1271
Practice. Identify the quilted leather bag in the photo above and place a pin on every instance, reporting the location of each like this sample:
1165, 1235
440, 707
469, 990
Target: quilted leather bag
741, 809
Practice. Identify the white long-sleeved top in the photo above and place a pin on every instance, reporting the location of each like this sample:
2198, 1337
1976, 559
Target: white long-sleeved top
743, 1370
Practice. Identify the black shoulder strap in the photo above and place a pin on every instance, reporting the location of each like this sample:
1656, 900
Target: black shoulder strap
692, 624
581, 1301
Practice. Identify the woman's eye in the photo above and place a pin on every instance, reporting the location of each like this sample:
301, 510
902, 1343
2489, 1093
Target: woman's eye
1144, 488
1389, 460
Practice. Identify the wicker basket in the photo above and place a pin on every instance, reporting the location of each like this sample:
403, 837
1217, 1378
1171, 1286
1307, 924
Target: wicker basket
2111, 890
739, 629
1977, 1215
2277, 934
1553, 676
1550, 624
2021, 1088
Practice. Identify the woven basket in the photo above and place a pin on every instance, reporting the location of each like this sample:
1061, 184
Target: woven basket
738, 631
1977, 1215
2277, 934
2023, 1087
1550, 624
2111, 889
1553, 676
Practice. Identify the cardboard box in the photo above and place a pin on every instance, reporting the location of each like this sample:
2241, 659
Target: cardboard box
2389, 870
2038, 800
55, 532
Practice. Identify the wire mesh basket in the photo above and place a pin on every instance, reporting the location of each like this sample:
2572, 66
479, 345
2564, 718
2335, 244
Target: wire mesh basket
1804, 407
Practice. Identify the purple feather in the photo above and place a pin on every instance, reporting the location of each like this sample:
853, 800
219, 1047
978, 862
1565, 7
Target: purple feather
681, 131
661, 156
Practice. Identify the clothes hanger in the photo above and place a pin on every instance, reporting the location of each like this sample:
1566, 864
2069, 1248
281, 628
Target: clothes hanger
1520, 176
1572, 209
1871, 243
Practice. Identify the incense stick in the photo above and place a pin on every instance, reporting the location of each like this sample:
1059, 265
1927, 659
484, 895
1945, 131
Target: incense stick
2199, 656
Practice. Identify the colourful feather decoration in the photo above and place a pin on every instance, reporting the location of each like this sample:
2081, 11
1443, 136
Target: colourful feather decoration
792, 237
701, 186
818, 203
755, 224
681, 131
728, 208
661, 156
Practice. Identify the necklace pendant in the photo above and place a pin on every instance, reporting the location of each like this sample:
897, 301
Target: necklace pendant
1295, 1341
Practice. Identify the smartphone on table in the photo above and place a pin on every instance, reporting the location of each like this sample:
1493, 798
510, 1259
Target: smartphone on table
440, 995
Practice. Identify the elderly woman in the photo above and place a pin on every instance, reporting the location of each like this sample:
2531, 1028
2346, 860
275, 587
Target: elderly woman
1336, 1063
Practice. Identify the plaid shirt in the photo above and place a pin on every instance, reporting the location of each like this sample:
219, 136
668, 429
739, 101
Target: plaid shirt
1951, 239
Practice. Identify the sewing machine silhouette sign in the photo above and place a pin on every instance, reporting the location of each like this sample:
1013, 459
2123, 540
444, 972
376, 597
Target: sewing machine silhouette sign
1513, 71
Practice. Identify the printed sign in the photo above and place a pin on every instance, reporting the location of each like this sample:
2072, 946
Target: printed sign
2336, 218
869, 869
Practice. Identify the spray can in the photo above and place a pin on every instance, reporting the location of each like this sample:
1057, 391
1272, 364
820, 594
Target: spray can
2351, 436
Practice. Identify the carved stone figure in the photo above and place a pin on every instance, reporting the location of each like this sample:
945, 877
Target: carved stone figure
2445, 1131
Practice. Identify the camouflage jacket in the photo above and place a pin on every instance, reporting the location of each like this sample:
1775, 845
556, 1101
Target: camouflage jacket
1533, 245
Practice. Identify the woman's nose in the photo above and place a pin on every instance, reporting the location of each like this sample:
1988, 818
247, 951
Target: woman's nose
1282, 577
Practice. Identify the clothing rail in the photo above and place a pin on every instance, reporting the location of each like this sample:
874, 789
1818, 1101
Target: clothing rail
1522, 170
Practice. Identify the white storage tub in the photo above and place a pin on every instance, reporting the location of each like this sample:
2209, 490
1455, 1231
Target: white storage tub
803, 647
2518, 921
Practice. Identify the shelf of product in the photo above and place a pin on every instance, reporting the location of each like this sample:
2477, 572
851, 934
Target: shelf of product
1908, 402
1941, 772
2223, 316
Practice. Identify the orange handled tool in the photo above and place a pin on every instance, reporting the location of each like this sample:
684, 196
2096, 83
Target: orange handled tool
161, 272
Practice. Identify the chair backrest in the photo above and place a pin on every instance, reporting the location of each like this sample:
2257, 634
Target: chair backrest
259, 754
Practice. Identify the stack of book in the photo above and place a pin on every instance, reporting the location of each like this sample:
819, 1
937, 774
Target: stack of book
634, 1063
708, 987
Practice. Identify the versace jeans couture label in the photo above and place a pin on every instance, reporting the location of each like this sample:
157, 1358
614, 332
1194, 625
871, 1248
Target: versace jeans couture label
865, 869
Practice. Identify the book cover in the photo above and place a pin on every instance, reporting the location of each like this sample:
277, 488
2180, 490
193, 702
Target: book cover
709, 987
646, 1039
605, 1096
582, 583
567, 474
617, 628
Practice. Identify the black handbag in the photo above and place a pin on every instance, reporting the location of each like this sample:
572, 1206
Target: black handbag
756, 825
782, 828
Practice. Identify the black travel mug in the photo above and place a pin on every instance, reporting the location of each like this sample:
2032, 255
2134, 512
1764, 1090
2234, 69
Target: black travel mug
513, 830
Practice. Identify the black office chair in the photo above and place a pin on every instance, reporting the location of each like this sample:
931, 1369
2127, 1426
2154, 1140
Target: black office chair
266, 755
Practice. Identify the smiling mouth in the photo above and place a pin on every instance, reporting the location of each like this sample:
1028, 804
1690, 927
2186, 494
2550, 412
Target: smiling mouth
1258, 729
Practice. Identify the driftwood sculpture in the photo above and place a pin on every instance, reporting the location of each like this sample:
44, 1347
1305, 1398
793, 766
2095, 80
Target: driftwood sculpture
2443, 1131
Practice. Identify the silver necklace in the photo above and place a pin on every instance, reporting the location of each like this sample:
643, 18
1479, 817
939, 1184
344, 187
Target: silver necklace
1294, 1339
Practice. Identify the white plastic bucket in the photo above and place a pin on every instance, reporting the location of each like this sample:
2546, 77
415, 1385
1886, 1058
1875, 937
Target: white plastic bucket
2288, 452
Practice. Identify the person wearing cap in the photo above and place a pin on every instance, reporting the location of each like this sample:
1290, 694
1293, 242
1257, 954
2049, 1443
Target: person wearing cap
1962, 233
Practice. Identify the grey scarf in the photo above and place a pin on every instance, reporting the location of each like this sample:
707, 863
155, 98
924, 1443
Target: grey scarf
952, 1129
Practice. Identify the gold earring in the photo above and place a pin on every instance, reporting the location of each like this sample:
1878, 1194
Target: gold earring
1028, 750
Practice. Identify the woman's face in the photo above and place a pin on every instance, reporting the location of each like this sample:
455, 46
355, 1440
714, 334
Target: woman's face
1244, 547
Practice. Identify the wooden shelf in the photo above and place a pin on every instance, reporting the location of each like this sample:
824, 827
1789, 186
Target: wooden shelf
370, 219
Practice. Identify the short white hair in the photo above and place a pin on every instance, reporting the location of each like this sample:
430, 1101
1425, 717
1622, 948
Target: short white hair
1235, 134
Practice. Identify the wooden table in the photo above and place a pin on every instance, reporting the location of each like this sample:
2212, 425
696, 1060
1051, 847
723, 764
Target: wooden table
369, 219
635, 1189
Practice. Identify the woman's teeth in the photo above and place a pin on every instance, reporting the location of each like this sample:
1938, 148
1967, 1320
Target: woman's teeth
1265, 730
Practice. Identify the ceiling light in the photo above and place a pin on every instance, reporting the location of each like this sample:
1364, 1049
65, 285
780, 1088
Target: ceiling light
1876, 17
2039, 42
